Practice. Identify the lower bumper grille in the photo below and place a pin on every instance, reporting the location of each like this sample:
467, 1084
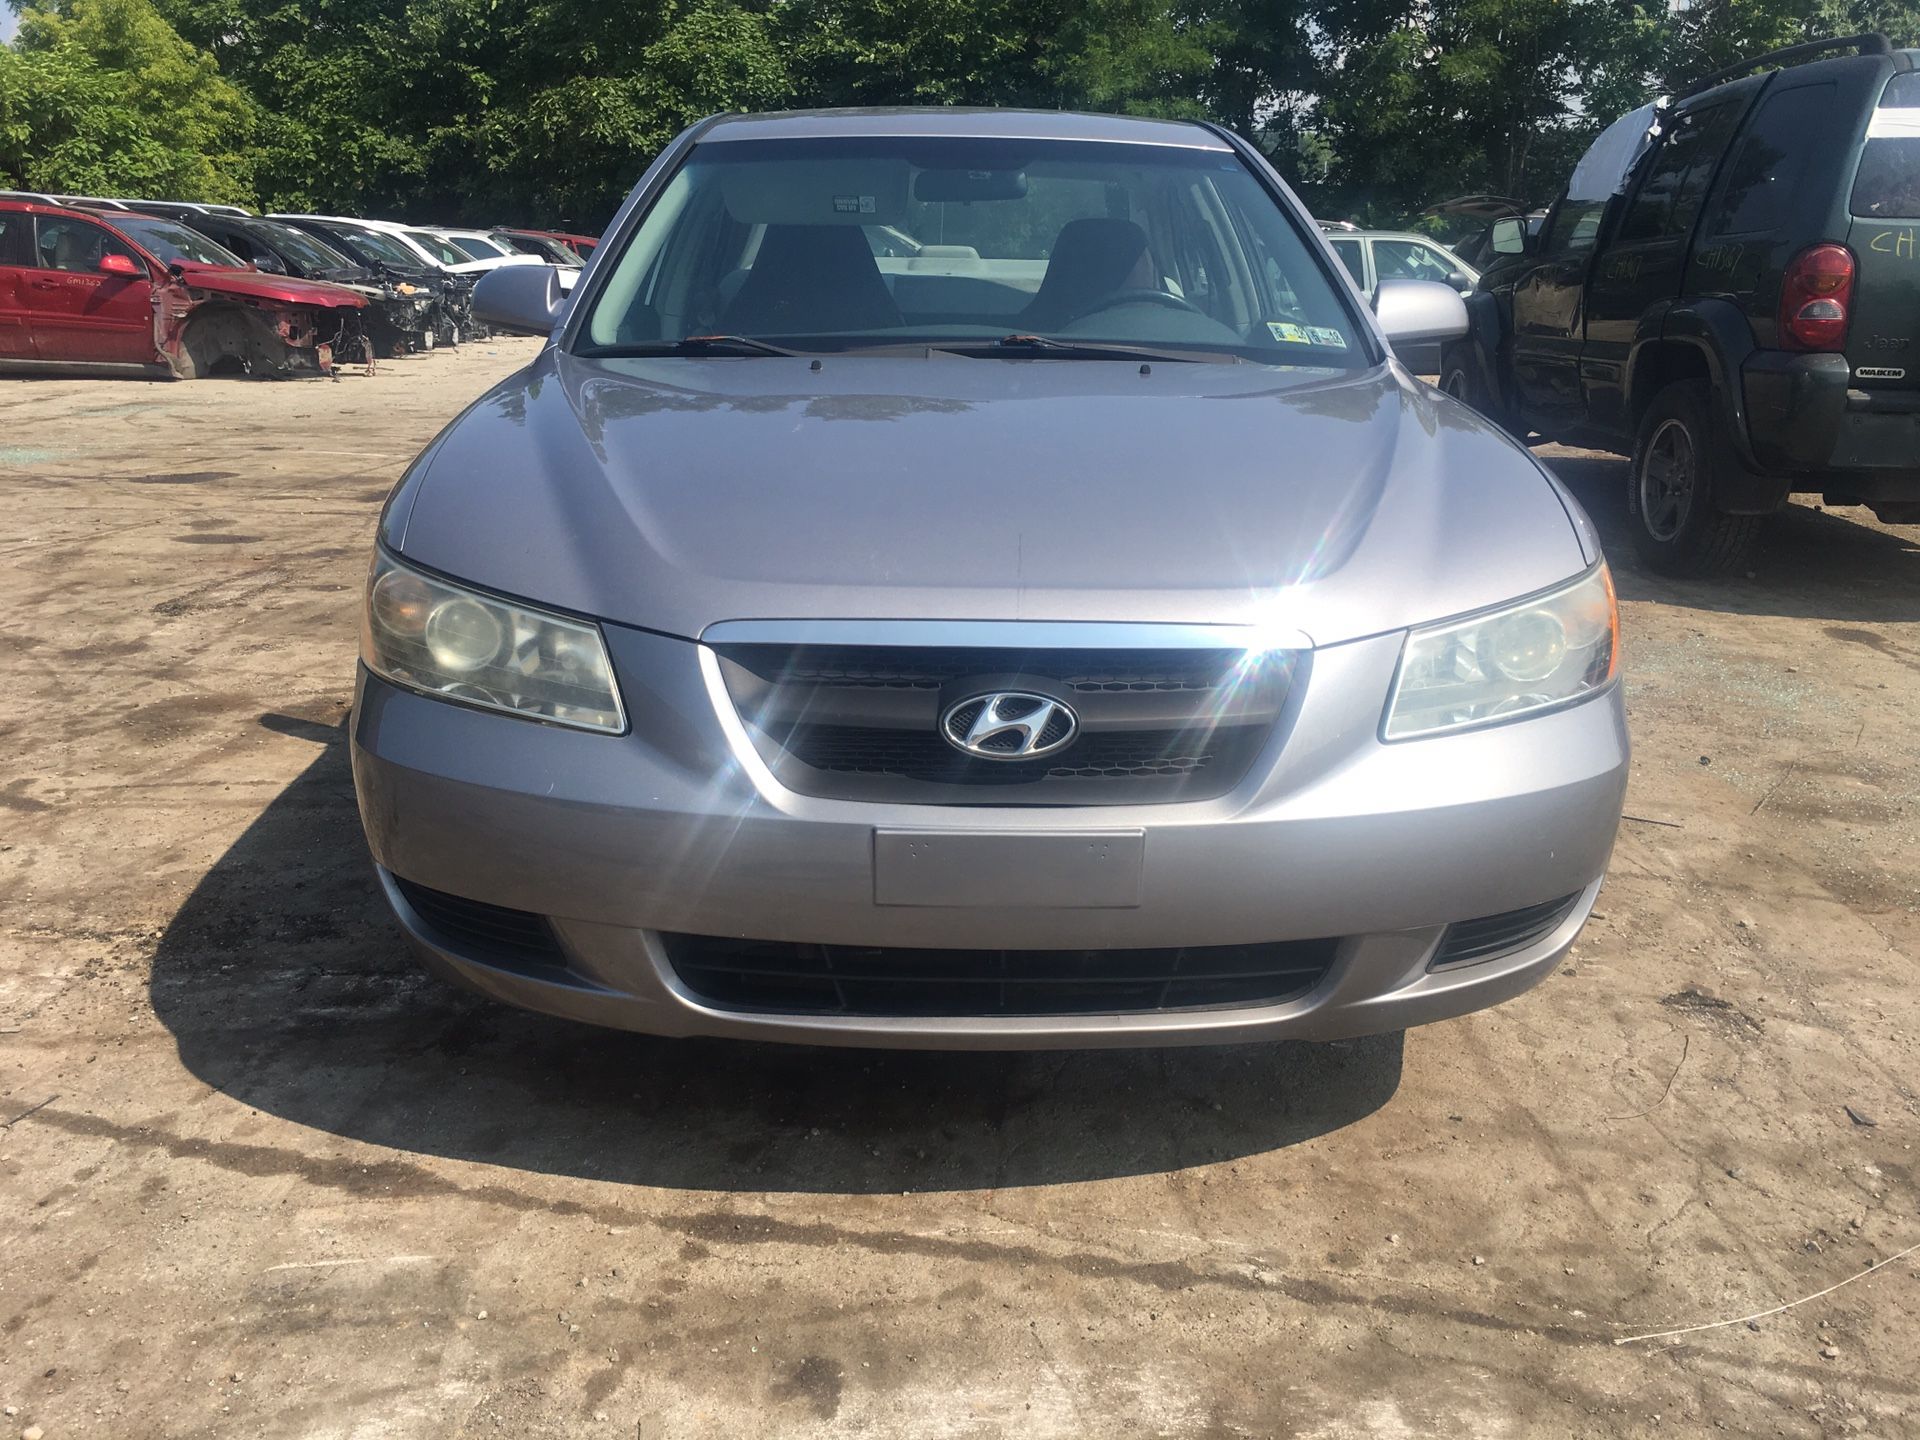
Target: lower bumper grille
1469, 940
756, 975
515, 938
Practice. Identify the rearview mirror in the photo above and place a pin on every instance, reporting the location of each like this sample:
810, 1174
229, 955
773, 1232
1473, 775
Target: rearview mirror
269, 264
521, 299
1411, 311
1510, 236
113, 263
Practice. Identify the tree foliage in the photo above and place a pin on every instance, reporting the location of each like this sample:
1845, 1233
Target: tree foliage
547, 110
102, 96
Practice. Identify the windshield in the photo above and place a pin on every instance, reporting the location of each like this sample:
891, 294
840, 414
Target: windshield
299, 246
547, 249
438, 248
381, 247
832, 244
1887, 185
175, 243
476, 248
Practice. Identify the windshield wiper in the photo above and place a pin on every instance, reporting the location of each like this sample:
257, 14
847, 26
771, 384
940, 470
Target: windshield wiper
697, 345
1014, 345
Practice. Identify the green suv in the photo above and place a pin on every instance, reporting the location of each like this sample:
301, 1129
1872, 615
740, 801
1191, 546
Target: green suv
1729, 292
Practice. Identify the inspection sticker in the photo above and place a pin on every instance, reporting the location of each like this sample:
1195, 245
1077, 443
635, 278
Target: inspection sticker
1290, 334
853, 205
1323, 336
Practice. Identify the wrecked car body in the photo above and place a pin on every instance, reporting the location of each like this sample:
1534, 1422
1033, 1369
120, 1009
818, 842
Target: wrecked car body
141, 294
451, 316
401, 314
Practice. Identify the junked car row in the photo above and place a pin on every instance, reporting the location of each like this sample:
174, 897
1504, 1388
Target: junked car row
186, 290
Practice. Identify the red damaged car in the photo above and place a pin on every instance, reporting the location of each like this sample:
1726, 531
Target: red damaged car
144, 294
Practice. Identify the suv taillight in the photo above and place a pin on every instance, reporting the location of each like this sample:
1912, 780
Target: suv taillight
1816, 298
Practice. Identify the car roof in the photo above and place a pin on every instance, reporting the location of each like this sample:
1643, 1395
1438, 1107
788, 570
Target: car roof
105, 217
979, 124
1354, 233
284, 215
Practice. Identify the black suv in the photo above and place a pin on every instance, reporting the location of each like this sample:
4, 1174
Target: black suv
1729, 292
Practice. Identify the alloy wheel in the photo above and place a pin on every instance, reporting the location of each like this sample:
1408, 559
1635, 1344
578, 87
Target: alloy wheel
1669, 480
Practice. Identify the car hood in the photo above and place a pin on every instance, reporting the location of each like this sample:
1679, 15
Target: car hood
675, 493
480, 267
258, 285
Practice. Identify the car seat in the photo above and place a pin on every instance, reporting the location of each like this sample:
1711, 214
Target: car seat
811, 278
1092, 258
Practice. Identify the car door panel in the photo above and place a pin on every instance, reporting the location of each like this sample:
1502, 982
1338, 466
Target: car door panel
78, 314
1548, 308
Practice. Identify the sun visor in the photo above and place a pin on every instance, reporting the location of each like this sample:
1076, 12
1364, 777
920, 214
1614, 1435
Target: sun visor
864, 191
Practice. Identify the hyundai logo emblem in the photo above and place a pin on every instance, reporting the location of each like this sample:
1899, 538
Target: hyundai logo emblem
1009, 725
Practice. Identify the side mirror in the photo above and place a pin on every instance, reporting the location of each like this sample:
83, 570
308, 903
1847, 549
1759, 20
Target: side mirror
115, 264
520, 299
1412, 311
1510, 236
1459, 281
269, 264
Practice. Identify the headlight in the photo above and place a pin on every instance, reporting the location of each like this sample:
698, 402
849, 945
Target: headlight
429, 635
1546, 651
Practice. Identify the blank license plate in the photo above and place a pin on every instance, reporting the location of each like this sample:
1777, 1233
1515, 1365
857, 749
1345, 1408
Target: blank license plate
1025, 869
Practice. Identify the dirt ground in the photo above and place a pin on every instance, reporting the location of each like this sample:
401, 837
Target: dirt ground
259, 1177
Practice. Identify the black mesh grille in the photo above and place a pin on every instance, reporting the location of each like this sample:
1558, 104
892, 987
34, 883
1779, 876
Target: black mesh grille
1469, 940
487, 932
864, 722
851, 980
925, 756
899, 667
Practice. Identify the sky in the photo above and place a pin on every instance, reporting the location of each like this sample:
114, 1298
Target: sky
7, 22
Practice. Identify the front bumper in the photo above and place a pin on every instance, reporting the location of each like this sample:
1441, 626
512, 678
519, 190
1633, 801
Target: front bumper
677, 828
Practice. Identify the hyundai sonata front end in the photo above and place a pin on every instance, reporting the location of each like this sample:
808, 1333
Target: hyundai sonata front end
981, 579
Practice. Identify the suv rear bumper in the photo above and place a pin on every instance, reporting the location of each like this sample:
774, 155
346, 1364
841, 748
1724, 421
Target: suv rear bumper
1812, 431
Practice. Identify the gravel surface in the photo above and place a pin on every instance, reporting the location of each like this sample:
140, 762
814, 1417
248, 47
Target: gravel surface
259, 1177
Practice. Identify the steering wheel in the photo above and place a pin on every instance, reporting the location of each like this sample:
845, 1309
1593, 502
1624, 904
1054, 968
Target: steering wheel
1136, 297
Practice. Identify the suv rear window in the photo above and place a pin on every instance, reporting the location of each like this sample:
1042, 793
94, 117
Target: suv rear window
1766, 169
1888, 183
1668, 200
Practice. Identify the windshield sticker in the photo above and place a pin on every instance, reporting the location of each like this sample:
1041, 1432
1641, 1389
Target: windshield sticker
1323, 336
1289, 334
853, 205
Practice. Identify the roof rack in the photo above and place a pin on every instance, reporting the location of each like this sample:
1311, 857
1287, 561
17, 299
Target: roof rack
1792, 55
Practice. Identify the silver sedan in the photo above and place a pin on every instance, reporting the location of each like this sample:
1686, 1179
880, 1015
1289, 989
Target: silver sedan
981, 579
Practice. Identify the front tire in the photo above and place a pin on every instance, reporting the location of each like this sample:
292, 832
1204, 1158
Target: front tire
1680, 459
1462, 378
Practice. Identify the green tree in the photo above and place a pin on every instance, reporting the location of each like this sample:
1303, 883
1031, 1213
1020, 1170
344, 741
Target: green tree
1127, 55
102, 96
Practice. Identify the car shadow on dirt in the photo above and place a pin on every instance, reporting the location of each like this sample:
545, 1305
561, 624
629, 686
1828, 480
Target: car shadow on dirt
1811, 564
287, 988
